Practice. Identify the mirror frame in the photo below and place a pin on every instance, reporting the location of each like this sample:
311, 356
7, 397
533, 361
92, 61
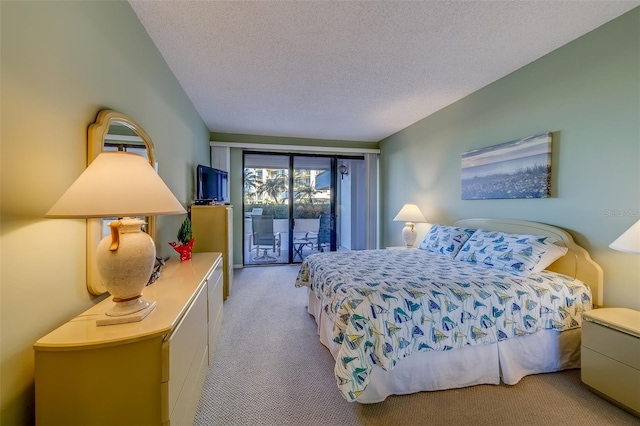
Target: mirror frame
96, 135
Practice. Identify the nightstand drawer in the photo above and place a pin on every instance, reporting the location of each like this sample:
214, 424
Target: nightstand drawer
611, 378
611, 343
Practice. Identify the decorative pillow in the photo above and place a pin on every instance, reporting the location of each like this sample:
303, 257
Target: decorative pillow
551, 255
513, 253
445, 240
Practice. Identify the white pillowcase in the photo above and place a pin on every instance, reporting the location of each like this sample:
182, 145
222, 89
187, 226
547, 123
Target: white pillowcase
552, 254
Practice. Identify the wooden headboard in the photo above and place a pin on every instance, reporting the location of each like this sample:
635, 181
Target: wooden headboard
576, 263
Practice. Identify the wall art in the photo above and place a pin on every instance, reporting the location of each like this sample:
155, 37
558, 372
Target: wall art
516, 169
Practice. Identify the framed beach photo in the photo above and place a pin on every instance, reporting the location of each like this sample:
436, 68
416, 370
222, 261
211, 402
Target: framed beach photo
516, 169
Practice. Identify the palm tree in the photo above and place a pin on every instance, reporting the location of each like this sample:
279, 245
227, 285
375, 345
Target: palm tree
250, 179
273, 187
305, 190
302, 185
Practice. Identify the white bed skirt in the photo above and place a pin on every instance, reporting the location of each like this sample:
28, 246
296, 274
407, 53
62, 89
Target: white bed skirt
509, 360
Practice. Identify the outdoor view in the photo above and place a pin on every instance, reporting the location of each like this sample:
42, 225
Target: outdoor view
267, 189
266, 206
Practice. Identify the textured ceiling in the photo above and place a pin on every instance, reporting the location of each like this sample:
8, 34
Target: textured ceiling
351, 70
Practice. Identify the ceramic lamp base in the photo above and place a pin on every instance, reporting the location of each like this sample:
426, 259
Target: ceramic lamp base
124, 319
120, 309
409, 234
125, 262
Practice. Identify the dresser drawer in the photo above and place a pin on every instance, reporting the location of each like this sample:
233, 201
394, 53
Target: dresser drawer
216, 286
214, 279
181, 349
612, 343
186, 405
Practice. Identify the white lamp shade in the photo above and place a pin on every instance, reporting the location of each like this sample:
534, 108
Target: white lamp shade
116, 184
629, 241
410, 213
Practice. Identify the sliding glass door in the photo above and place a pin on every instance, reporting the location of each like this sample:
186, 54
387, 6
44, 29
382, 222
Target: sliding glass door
297, 205
266, 209
313, 225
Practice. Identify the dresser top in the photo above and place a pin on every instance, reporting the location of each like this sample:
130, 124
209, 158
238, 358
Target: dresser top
172, 292
622, 319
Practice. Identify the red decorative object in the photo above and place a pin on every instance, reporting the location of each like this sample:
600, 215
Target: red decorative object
184, 250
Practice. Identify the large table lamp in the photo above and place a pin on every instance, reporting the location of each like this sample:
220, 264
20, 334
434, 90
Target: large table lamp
410, 214
629, 241
122, 185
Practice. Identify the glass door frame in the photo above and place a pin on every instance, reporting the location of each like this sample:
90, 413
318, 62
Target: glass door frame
334, 158
244, 211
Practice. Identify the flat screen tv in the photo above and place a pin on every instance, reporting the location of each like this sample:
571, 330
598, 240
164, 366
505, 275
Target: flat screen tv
212, 184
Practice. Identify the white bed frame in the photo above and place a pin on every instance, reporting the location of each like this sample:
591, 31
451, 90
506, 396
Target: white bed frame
576, 263
508, 360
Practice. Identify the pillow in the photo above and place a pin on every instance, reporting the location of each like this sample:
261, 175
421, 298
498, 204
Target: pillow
551, 255
445, 240
513, 253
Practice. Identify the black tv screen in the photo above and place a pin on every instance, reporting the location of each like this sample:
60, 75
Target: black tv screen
211, 184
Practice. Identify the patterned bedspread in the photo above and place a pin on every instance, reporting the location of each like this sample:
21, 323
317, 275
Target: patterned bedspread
386, 304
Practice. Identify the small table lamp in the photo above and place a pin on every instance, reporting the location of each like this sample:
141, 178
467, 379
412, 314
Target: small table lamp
410, 213
119, 184
629, 241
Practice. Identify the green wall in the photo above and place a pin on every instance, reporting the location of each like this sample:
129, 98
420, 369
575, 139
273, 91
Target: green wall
62, 62
587, 93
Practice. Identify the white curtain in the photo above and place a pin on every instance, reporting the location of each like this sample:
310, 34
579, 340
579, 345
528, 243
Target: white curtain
371, 187
221, 158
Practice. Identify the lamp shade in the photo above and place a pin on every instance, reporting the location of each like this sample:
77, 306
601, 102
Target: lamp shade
116, 184
629, 241
410, 213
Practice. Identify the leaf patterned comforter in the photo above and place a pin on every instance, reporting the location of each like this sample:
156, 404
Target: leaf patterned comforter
386, 304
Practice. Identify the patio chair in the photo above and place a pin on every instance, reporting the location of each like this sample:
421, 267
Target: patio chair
253, 212
323, 236
262, 235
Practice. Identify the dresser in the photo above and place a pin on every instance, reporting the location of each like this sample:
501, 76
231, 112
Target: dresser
143, 373
212, 230
611, 355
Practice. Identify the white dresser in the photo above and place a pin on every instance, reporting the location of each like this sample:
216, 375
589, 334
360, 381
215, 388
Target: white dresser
611, 355
143, 373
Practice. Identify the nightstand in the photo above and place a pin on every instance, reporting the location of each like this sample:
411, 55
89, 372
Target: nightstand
611, 355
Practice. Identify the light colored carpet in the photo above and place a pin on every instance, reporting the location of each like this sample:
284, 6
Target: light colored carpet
271, 369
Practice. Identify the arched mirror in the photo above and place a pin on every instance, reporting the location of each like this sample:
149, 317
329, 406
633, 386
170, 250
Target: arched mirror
113, 131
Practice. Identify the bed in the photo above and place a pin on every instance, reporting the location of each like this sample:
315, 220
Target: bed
454, 313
